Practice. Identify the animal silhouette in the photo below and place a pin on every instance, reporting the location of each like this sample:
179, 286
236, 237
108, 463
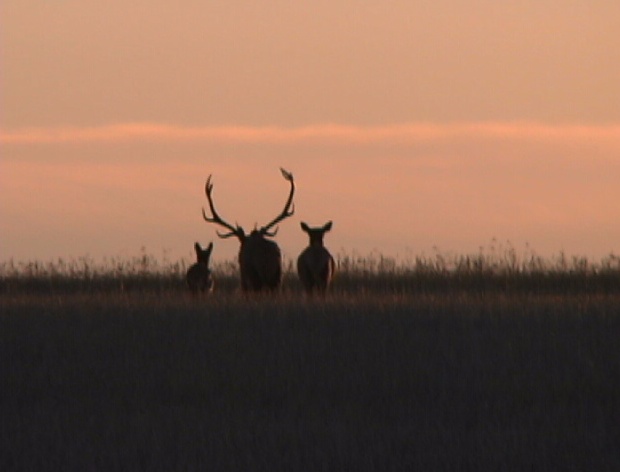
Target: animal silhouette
260, 259
199, 277
315, 265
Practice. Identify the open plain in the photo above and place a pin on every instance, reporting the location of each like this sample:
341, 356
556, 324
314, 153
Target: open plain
384, 373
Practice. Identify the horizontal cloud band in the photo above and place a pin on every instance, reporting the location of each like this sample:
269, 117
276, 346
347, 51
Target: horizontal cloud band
332, 133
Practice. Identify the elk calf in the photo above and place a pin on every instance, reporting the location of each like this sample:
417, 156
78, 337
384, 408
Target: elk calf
315, 265
199, 277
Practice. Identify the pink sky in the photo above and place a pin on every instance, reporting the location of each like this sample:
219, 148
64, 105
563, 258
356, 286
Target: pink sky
411, 125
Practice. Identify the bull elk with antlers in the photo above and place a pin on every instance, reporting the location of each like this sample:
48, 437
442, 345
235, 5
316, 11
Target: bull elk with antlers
260, 259
315, 265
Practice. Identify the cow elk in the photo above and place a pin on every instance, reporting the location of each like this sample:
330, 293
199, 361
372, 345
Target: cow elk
199, 277
315, 265
260, 259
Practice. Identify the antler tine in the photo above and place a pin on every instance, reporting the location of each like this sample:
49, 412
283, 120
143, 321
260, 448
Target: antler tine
271, 234
226, 235
287, 175
215, 218
289, 207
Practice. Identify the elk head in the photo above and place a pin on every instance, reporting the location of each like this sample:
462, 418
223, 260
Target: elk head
203, 256
316, 234
260, 259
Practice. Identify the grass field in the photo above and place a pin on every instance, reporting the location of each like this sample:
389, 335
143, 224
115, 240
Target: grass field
430, 367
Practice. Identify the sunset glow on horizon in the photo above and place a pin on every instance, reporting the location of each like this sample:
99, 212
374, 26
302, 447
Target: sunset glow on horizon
415, 128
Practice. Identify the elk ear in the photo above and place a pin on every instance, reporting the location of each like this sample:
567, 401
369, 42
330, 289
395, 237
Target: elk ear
197, 248
210, 247
327, 226
304, 226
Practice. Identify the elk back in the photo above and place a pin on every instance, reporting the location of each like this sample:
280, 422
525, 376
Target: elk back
260, 262
315, 267
199, 278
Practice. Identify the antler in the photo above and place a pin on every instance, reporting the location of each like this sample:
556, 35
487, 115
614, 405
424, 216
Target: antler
289, 207
215, 218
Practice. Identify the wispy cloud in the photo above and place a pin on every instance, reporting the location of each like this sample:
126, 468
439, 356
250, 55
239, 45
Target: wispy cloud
329, 133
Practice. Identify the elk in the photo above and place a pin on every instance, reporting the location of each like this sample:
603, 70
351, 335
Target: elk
199, 277
315, 265
260, 259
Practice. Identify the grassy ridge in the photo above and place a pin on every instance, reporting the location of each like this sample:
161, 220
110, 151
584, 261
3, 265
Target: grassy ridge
490, 271
371, 380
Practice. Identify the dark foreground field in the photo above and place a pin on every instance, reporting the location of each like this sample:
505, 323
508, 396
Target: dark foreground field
442, 381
